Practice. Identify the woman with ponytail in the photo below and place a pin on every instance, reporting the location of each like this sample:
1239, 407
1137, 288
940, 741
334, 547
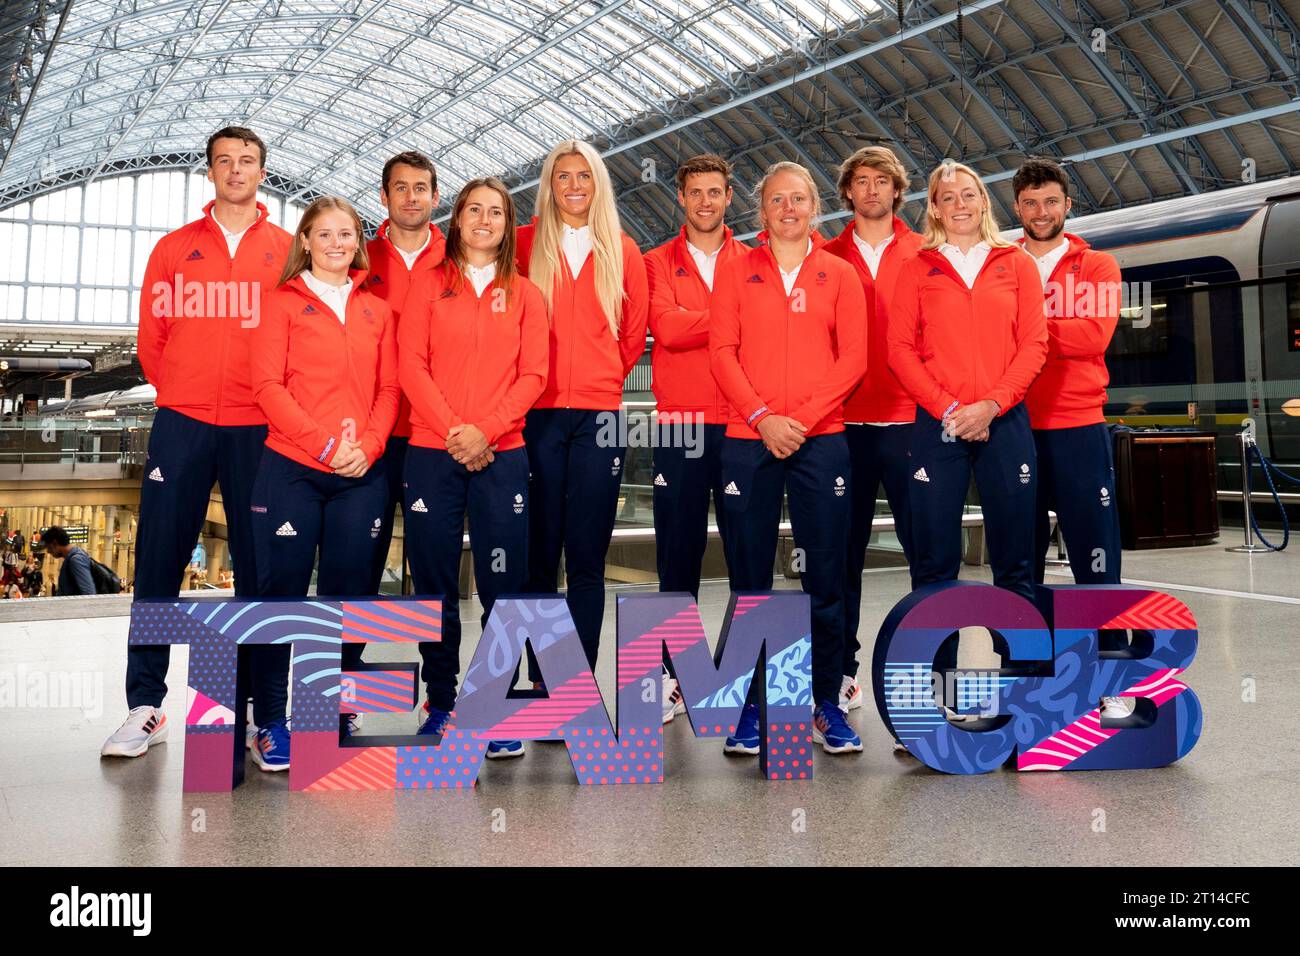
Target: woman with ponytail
472, 354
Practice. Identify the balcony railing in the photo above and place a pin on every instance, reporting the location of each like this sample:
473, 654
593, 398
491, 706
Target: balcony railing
38, 447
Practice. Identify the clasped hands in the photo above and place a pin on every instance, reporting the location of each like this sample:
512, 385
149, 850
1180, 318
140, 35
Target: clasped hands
469, 446
971, 422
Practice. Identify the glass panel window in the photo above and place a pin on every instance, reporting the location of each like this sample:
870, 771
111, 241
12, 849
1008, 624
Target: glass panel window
54, 254
106, 257
61, 206
21, 211
13, 252
110, 200
11, 303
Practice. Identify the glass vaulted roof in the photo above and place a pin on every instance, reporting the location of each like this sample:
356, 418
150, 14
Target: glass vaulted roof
336, 87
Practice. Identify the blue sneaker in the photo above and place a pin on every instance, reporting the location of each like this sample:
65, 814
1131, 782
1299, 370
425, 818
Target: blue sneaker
271, 748
435, 723
831, 729
502, 749
745, 739
349, 725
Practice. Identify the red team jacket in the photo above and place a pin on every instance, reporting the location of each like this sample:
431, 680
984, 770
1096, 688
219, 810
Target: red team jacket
462, 359
389, 279
194, 334
587, 366
1082, 304
679, 322
319, 380
880, 397
770, 357
948, 343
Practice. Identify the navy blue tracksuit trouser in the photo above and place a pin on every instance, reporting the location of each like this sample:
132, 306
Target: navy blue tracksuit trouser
1076, 479
395, 470
816, 479
440, 494
1006, 473
878, 454
576, 466
297, 511
683, 480
186, 457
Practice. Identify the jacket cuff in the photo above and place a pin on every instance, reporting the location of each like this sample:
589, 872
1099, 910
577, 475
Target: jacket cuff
1002, 398
328, 453
491, 428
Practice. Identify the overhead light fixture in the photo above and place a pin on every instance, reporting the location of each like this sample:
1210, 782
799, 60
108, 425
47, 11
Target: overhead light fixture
1292, 407
100, 413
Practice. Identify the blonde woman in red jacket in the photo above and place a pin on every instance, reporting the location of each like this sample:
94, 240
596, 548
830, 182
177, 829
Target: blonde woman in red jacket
324, 364
472, 353
787, 344
966, 337
593, 279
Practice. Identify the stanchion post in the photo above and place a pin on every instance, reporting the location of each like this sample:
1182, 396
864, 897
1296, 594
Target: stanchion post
1246, 439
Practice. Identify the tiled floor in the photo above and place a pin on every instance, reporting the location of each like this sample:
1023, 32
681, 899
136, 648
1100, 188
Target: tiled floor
1231, 801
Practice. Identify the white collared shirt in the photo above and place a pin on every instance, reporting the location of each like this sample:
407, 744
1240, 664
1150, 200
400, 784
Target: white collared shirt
706, 262
1048, 261
968, 265
871, 255
334, 296
789, 278
481, 278
232, 238
576, 244
408, 257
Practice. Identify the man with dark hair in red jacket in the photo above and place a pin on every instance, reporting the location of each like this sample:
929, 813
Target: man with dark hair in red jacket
1076, 471
691, 410
406, 246
200, 302
1082, 287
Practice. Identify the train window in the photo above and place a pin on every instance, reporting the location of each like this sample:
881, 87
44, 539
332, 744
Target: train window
1143, 325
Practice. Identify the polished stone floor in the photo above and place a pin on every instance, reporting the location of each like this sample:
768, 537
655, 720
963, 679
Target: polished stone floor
1231, 801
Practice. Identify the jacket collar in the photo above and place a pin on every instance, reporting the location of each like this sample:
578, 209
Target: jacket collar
211, 221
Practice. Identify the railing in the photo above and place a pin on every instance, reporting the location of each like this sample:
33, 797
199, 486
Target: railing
47, 447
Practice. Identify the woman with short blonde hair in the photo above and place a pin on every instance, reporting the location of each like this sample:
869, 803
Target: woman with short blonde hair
787, 343
967, 335
951, 177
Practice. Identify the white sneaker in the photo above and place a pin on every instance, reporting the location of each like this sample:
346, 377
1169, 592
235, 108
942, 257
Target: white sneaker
900, 748
850, 694
143, 727
1114, 708
674, 704
250, 729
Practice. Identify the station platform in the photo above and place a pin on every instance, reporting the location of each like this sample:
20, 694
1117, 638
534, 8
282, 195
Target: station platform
1230, 801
